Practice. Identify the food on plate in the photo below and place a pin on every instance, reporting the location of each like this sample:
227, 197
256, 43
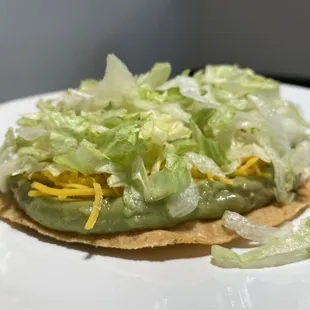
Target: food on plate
133, 161
278, 246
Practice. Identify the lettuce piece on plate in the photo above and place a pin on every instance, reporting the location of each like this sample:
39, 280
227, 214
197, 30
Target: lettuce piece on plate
280, 246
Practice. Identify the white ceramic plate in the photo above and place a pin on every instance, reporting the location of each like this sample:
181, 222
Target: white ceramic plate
38, 273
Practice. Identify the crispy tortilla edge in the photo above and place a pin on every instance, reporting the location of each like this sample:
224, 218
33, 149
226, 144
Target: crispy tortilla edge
195, 232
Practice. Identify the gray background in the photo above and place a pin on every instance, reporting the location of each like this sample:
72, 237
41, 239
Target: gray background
47, 45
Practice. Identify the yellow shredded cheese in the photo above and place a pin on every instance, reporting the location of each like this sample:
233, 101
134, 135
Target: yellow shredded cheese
34, 193
252, 166
71, 185
243, 170
249, 166
196, 174
62, 192
96, 207
267, 175
68, 192
69, 177
210, 176
257, 170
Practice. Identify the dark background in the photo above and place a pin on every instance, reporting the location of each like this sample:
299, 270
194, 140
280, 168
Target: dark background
48, 45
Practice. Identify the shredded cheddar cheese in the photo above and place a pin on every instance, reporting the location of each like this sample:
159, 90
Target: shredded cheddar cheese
196, 174
267, 175
71, 185
34, 193
249, 166
68, 192
252, 166
62, 192
243, 170
210, 176
257, 170
96, 207
69, 178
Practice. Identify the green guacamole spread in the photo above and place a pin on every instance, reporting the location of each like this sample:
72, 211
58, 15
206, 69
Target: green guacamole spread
243, 196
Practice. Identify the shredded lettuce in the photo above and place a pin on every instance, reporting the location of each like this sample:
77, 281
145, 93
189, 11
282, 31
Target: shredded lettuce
253, 232
290, 250
281, 246
157, 76
173, 179
117, 85
87, 86
208, 146
85, 158
148, 131
204, 164
241, 81
183, 203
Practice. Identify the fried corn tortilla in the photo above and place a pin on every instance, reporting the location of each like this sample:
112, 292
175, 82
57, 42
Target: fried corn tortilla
195, 232
136, 161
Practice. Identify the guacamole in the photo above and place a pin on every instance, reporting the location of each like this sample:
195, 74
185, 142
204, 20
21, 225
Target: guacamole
243, 196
